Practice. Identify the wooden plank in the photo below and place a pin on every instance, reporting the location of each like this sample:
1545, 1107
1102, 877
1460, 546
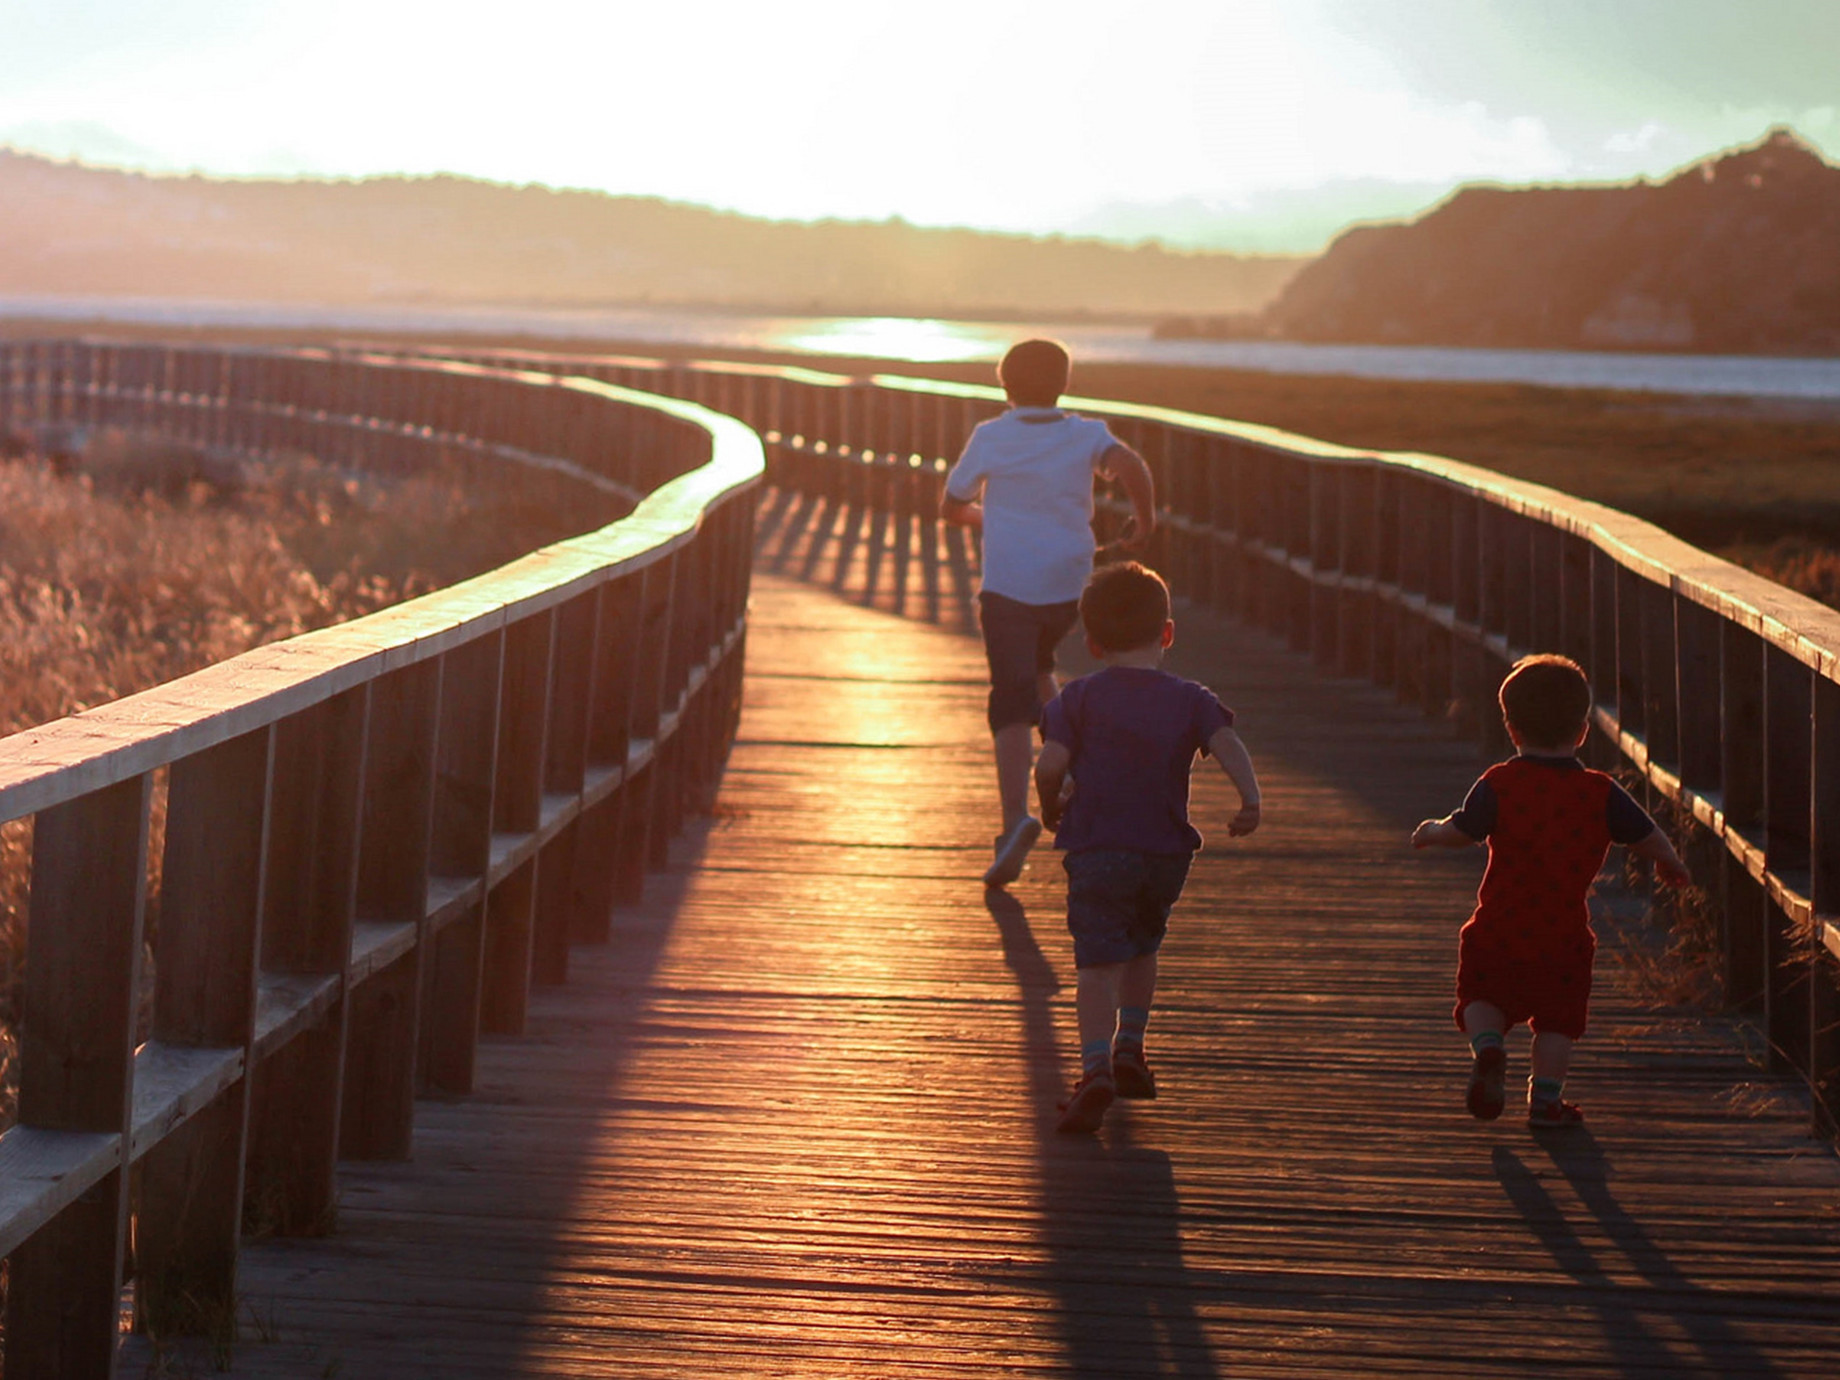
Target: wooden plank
42, 1172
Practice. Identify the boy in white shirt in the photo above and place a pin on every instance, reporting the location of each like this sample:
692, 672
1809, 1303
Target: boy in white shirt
1025, 481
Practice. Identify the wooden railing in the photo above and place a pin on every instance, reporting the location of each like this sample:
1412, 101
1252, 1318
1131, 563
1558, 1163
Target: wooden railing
372, 833
376, 836
1718, 692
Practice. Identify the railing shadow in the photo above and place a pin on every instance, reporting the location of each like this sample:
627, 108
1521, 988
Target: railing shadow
1111, 1212
897, 563
1626, 1312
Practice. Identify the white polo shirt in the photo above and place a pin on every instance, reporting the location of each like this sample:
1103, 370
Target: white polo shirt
1035, 468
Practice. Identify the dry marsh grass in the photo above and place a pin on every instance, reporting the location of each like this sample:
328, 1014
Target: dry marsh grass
105, 592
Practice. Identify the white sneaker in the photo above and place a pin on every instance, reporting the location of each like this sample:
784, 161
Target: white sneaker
1013, 846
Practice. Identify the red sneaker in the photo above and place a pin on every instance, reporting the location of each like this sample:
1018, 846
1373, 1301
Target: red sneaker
1131, 1075
1487, 1083
1085, 1110
1553, 1116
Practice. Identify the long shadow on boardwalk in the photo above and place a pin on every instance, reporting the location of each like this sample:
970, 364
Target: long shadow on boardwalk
1627, 1312
1111, 1213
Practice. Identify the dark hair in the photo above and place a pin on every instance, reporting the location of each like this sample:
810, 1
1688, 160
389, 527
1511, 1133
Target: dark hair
1035, 372
1546, 700
1124, 606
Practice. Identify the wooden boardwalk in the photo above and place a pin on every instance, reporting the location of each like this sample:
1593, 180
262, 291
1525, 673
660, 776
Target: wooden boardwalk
796, 1120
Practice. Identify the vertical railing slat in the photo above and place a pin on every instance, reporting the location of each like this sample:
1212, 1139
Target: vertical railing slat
77, 1035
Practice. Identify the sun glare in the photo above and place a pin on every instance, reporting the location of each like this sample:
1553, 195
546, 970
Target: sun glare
892, 337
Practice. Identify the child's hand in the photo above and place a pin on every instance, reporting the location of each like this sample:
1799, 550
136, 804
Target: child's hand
1427, 833
1051, 811
1244, 822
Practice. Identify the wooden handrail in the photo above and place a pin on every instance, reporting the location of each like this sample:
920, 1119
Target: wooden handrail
371, 831
1718, 688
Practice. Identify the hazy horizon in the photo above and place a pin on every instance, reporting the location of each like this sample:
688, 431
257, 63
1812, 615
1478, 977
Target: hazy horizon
1225, 125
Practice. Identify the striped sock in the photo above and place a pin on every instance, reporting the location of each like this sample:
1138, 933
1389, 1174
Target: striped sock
1542, 1090
1095, 1057
1132, 1021
1485, 1039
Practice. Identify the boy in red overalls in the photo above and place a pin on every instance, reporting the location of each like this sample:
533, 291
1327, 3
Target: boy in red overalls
1526, 952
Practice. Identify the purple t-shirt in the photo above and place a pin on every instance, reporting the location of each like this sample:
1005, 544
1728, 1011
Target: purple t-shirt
1133, 733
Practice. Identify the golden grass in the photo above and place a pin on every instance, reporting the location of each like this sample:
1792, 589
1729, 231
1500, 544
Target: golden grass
106, 593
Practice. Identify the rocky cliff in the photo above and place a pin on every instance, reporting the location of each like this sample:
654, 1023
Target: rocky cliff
1737, 254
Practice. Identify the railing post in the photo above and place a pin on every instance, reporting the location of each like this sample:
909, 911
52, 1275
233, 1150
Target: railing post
638, 821
618, 659
1741, 772
517, 813
1824, 831
1697, 694
1359, 519
205, 957
1788, 750
460, 849
378, 1116
89, 882
1660, 675
565, 756
308, 907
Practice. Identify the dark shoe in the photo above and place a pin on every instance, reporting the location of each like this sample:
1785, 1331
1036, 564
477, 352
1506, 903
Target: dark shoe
1085, 1110
1013, 846
1487, 1079
1132, 1076
1553, 1116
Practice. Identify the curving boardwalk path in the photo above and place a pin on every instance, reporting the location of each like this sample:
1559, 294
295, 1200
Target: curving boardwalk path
796, 1120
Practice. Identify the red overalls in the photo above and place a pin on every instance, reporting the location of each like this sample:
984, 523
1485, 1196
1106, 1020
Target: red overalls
1528, 947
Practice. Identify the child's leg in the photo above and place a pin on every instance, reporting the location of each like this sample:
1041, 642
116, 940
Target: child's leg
1485, 1023
1097, 1007
1015, 749
1552, 1060
1482, 1019
1136, 992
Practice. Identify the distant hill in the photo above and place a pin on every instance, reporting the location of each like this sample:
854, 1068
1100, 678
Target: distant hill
66, 228
1736, 254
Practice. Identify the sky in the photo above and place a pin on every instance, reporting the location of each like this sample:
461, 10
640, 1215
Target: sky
1253, 125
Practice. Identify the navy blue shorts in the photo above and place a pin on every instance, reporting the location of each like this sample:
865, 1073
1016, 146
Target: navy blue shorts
1118, 902
1019, 643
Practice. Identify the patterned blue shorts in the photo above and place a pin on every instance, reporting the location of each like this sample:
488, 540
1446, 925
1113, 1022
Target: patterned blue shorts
1118, 902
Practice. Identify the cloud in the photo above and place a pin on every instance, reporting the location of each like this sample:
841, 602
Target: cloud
1642, 140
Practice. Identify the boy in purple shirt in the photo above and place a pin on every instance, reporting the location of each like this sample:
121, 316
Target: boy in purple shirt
1127, 736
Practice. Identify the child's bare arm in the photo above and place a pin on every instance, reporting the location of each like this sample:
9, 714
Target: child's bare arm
1130, 469
1441, 833
1050, 775
1236, 762
965, 512
1660, 851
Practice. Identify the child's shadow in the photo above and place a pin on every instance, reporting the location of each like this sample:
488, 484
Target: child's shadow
1111, 1212
1627, 1312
